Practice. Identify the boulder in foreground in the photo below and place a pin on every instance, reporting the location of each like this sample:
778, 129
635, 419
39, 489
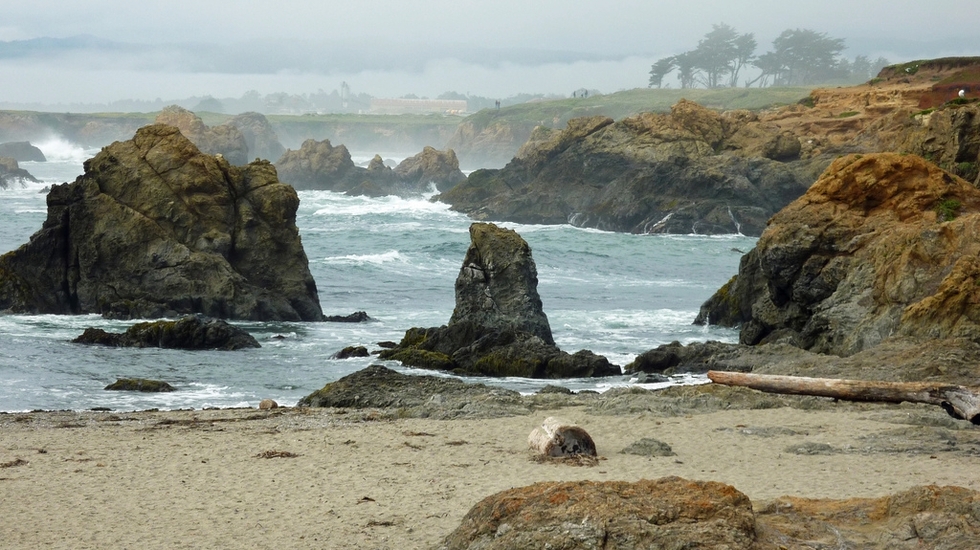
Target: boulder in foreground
498, 327
140, 384
673, 512
190, 333
155, 228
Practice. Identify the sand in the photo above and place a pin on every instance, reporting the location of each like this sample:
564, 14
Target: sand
229, 478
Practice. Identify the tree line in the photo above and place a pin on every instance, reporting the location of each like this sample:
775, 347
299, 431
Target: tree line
799, 57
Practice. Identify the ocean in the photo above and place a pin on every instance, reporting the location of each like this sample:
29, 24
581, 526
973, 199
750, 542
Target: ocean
394, 258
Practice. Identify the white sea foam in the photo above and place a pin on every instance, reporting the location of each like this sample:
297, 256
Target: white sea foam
58, 149
361, 259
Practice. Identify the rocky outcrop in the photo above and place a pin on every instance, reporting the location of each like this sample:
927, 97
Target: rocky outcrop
140, 384
378, 387
22, 151
692, 171
949, 136
664, 513
431, 166
881, 245
260, 137
155, 228
191, 332
11, 173
673, 512
225, 140
320, 165
498, 327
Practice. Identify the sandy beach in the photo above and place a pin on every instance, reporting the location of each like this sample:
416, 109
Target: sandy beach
328, 478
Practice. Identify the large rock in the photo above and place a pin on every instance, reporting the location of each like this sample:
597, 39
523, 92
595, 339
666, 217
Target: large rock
225, 140
498, 327
11, 173
881, 245
191, 332
649, 173
948, 136
431, 166
155, 228
260, 137
665, 513
21, 151
320, 165
677, 513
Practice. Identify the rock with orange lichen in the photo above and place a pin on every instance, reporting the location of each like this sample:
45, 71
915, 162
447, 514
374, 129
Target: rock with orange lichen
665, 513
881, 245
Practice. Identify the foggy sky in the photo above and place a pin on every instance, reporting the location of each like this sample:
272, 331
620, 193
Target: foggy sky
174, 48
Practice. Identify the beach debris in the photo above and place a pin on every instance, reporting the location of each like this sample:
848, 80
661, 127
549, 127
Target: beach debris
276, 454
266, 404
962, 402
14, 463
558, 438
649, 447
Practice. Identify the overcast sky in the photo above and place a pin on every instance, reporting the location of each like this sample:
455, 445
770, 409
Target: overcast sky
175, 48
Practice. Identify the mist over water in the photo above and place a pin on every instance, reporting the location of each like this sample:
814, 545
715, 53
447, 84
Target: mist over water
395, 258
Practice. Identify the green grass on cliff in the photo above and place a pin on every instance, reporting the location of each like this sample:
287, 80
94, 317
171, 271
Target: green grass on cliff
630, 102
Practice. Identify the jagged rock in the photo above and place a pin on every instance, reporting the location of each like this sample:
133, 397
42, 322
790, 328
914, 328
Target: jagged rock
648, 173
948, 136
351, 351
22, 151
223, 140
191, 332
664, 513
260, 138
498, 327
676, 358
356, 317
155, 228
140, 384
880, 245
431, 166
316, 165
11, 172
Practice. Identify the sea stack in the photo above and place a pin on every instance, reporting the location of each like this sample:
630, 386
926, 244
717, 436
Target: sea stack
155, 228
498, 327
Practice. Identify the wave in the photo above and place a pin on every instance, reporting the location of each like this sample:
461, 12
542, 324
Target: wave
374, 259
57, 149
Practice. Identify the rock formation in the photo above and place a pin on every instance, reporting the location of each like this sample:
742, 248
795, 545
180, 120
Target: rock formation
225, 140
431, 167
673, 512
881, 245
498, 327
21, 151
665, 513
11, 173
140, 384
191, 332
320, 165
686, 172
260, 137
155, 228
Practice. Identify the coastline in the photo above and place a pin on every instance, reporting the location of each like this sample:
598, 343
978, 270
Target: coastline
224, 478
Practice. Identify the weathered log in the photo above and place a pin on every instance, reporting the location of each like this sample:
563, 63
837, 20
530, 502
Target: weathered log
962, 402
556, 437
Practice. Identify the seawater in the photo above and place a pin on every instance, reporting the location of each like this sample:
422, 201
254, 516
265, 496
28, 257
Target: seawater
395, 258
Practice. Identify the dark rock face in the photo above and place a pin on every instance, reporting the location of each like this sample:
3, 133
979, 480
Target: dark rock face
225, 140
882, 245
650, 173
155, 228
21, 151
431, 166
140, 384
665, 513
260, 137
674, 358
11, 173
356, 317
191, 332
351, 351
498, 327
320, 165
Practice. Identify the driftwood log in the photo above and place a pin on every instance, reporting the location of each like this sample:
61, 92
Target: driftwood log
962, 402
559, 438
